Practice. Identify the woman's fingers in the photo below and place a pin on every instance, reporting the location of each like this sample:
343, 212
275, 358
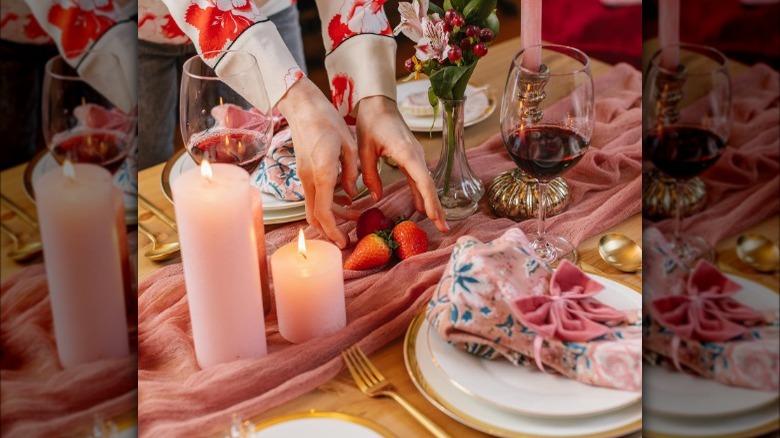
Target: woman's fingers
422, 179
371, 179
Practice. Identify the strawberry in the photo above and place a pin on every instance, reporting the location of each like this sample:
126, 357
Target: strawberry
372, 251
410, 238
372, 220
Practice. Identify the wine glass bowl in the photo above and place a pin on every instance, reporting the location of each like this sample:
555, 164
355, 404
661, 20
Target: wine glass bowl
87, 113
547, 120
225, 115
686, 125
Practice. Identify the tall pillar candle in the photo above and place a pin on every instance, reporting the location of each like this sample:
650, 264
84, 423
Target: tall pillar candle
669, 33
214, 213
81, 246
309, 289
531, 33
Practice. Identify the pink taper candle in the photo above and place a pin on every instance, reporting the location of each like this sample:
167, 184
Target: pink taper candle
669, 33
81, 246
531, 33
309, 289
213, 206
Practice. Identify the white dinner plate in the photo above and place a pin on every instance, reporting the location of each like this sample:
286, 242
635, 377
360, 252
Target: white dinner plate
748, 424
479, 106
44, 162
320, 424
683, 398
275, 211
527, 390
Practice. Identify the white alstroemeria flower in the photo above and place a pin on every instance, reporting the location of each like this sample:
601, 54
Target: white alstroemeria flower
435, 41
412, 15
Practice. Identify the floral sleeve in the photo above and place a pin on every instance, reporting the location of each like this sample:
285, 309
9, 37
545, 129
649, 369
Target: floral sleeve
360, 51
215, 25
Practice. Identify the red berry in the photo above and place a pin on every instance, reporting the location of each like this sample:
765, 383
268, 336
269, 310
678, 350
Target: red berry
409, 65
472, 31
372, 220
455, 54
486, 35
449, 15
480, 49
447, 27
458, 21
465, 44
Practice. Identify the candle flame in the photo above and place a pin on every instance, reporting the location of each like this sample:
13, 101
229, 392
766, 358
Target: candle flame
68, 170
205, 170
301, 243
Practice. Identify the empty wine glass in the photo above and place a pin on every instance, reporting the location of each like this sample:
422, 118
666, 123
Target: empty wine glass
687, 121
546, 143
88, 114
225, 115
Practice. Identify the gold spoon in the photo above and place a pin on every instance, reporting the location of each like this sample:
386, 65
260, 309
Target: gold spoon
159, 251
758, 252
19, 252
621, 252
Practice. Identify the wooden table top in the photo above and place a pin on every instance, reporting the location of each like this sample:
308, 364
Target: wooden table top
341, 394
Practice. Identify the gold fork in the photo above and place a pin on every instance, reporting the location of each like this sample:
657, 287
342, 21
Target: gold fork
373, 384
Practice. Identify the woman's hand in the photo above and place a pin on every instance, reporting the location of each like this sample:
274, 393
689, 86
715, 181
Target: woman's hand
322, 142
381, 131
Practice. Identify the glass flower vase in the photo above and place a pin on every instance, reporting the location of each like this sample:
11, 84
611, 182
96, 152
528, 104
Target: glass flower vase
459, 190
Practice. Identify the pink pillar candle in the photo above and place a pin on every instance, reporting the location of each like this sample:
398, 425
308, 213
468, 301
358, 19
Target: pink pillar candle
214, 213
81, 245
669, 33
309, 289
531, 33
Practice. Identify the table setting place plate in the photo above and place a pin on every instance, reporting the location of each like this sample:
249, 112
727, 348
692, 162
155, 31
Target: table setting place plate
320, 424
43, 162
499, 398
275, 210
479, 105
689, 406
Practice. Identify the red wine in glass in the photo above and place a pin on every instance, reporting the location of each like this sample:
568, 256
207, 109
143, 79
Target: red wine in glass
546, 152
684, 152
103, 148
242, 147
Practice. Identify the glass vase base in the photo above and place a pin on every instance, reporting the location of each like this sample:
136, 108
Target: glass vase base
690, 249
554, 249
459, 205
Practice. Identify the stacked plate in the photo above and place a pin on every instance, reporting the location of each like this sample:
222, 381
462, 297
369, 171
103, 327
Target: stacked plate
682, 405
417, 113
275, 211
508, 401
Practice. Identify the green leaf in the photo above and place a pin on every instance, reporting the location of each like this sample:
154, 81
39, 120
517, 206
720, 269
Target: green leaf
459, 4
408, 78
478, 10
459, 89
434, 9
447, 6
434, 101
446, 81
491, 22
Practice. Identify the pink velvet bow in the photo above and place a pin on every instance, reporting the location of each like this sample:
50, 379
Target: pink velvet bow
569, 312
705, 312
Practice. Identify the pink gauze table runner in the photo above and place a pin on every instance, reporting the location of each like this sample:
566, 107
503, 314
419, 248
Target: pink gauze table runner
177, 398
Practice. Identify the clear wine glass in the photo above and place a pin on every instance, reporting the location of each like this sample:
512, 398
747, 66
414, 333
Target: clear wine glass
88, 115
225, 114
547, 144
687, 121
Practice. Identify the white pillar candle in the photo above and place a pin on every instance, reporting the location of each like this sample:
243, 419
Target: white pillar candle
81, 246
308, 289
214, 213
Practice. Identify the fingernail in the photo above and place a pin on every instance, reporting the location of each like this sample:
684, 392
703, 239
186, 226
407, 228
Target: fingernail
374, 197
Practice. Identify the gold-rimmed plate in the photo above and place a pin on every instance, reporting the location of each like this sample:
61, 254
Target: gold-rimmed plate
479, 105
43, 161
325, 424
475, 413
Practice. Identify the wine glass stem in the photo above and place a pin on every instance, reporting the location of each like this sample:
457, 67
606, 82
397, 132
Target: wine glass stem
678, 185
542, 208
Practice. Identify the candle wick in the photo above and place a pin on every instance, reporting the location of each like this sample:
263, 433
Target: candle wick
303, 254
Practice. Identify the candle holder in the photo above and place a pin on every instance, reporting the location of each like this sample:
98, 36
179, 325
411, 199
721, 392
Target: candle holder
513, 193
670, 93
659, 193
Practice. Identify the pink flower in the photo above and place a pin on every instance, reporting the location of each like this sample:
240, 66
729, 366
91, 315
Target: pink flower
412, 15
434, 43
619, 363
757, 364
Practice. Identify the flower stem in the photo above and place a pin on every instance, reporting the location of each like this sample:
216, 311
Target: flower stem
448, 110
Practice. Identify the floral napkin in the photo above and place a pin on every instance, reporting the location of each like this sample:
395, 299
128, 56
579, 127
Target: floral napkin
496, 299
694, 324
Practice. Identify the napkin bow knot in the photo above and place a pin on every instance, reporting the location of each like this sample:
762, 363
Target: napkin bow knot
569, 312
705, 310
